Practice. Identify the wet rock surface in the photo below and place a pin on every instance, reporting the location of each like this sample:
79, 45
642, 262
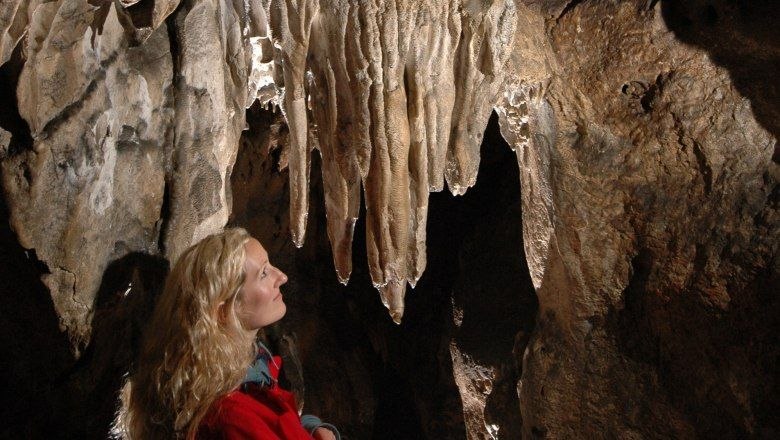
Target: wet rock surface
400, 92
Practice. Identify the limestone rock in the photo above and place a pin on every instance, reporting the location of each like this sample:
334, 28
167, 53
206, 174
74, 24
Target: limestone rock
144, 16
13, 24
646, 139
90, 188
5, 141
400, 94
650, 226
213, 60
133, 139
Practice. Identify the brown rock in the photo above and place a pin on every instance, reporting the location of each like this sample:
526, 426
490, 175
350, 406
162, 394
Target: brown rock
401, 94
13, 24
91, 188
212, 60
5, 141
646, 176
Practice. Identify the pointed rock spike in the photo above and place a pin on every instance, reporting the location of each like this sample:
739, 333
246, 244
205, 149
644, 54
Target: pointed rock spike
392, 295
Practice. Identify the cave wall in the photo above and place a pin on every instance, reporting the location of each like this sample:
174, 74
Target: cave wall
645, 135
650, 213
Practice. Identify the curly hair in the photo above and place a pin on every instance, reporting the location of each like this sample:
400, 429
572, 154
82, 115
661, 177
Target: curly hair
194, 349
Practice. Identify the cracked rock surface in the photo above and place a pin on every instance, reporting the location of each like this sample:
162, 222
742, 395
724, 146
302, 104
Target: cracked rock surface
650, 220
89, 187
133, 131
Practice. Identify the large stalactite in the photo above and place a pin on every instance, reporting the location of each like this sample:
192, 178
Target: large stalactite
400, 93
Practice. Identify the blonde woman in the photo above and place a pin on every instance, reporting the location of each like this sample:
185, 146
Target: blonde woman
200, 373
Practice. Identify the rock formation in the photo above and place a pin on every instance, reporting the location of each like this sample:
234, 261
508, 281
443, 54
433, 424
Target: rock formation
645, 136
650, 220
400, 94
134, 130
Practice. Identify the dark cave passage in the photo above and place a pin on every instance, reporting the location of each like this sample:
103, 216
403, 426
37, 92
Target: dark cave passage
367, 375
30, 339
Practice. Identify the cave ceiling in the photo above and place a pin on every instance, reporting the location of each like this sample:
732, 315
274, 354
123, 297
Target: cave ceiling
395, 96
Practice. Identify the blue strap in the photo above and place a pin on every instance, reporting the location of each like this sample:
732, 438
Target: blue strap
258, 372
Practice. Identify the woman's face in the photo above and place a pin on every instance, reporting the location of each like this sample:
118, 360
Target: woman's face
260, 301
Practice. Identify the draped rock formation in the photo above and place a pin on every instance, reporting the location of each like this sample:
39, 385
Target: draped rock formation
400, 93
134, 129
649, 172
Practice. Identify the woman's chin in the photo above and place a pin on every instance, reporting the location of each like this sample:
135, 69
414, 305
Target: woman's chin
282, 311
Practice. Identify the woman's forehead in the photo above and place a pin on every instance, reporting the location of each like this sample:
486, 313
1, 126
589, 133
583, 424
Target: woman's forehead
255, 252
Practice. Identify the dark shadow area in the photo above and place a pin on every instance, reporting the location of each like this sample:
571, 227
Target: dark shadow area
493, 287
476, 264
741, 36
86, 396
717, 367
47, 393
410, 365
10, 120
35, 350
493, 283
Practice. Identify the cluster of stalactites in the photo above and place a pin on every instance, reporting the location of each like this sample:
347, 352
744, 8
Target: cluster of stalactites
395, 94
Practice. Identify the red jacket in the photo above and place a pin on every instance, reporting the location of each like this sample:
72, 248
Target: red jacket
254, 412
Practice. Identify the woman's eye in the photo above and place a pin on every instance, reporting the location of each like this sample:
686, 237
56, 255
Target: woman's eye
264, 274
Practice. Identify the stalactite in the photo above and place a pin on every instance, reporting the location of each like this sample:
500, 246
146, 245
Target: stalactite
399, 93
13, 23
522, 107
290, 30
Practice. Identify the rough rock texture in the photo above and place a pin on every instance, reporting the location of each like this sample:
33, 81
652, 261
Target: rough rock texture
650, 219
13, 24
5, 141
134, 130
124, 126
90, 187
213, 66
400, 93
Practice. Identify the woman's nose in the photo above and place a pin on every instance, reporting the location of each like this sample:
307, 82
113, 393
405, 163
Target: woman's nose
282, 277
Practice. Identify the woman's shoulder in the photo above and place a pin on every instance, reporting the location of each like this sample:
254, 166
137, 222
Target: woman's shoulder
252, 400
235, 413
235, 399
235, 404
251, 413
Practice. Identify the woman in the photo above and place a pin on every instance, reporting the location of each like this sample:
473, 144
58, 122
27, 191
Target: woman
200, 373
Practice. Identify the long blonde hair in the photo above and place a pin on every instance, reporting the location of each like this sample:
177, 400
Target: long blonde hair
194, 350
